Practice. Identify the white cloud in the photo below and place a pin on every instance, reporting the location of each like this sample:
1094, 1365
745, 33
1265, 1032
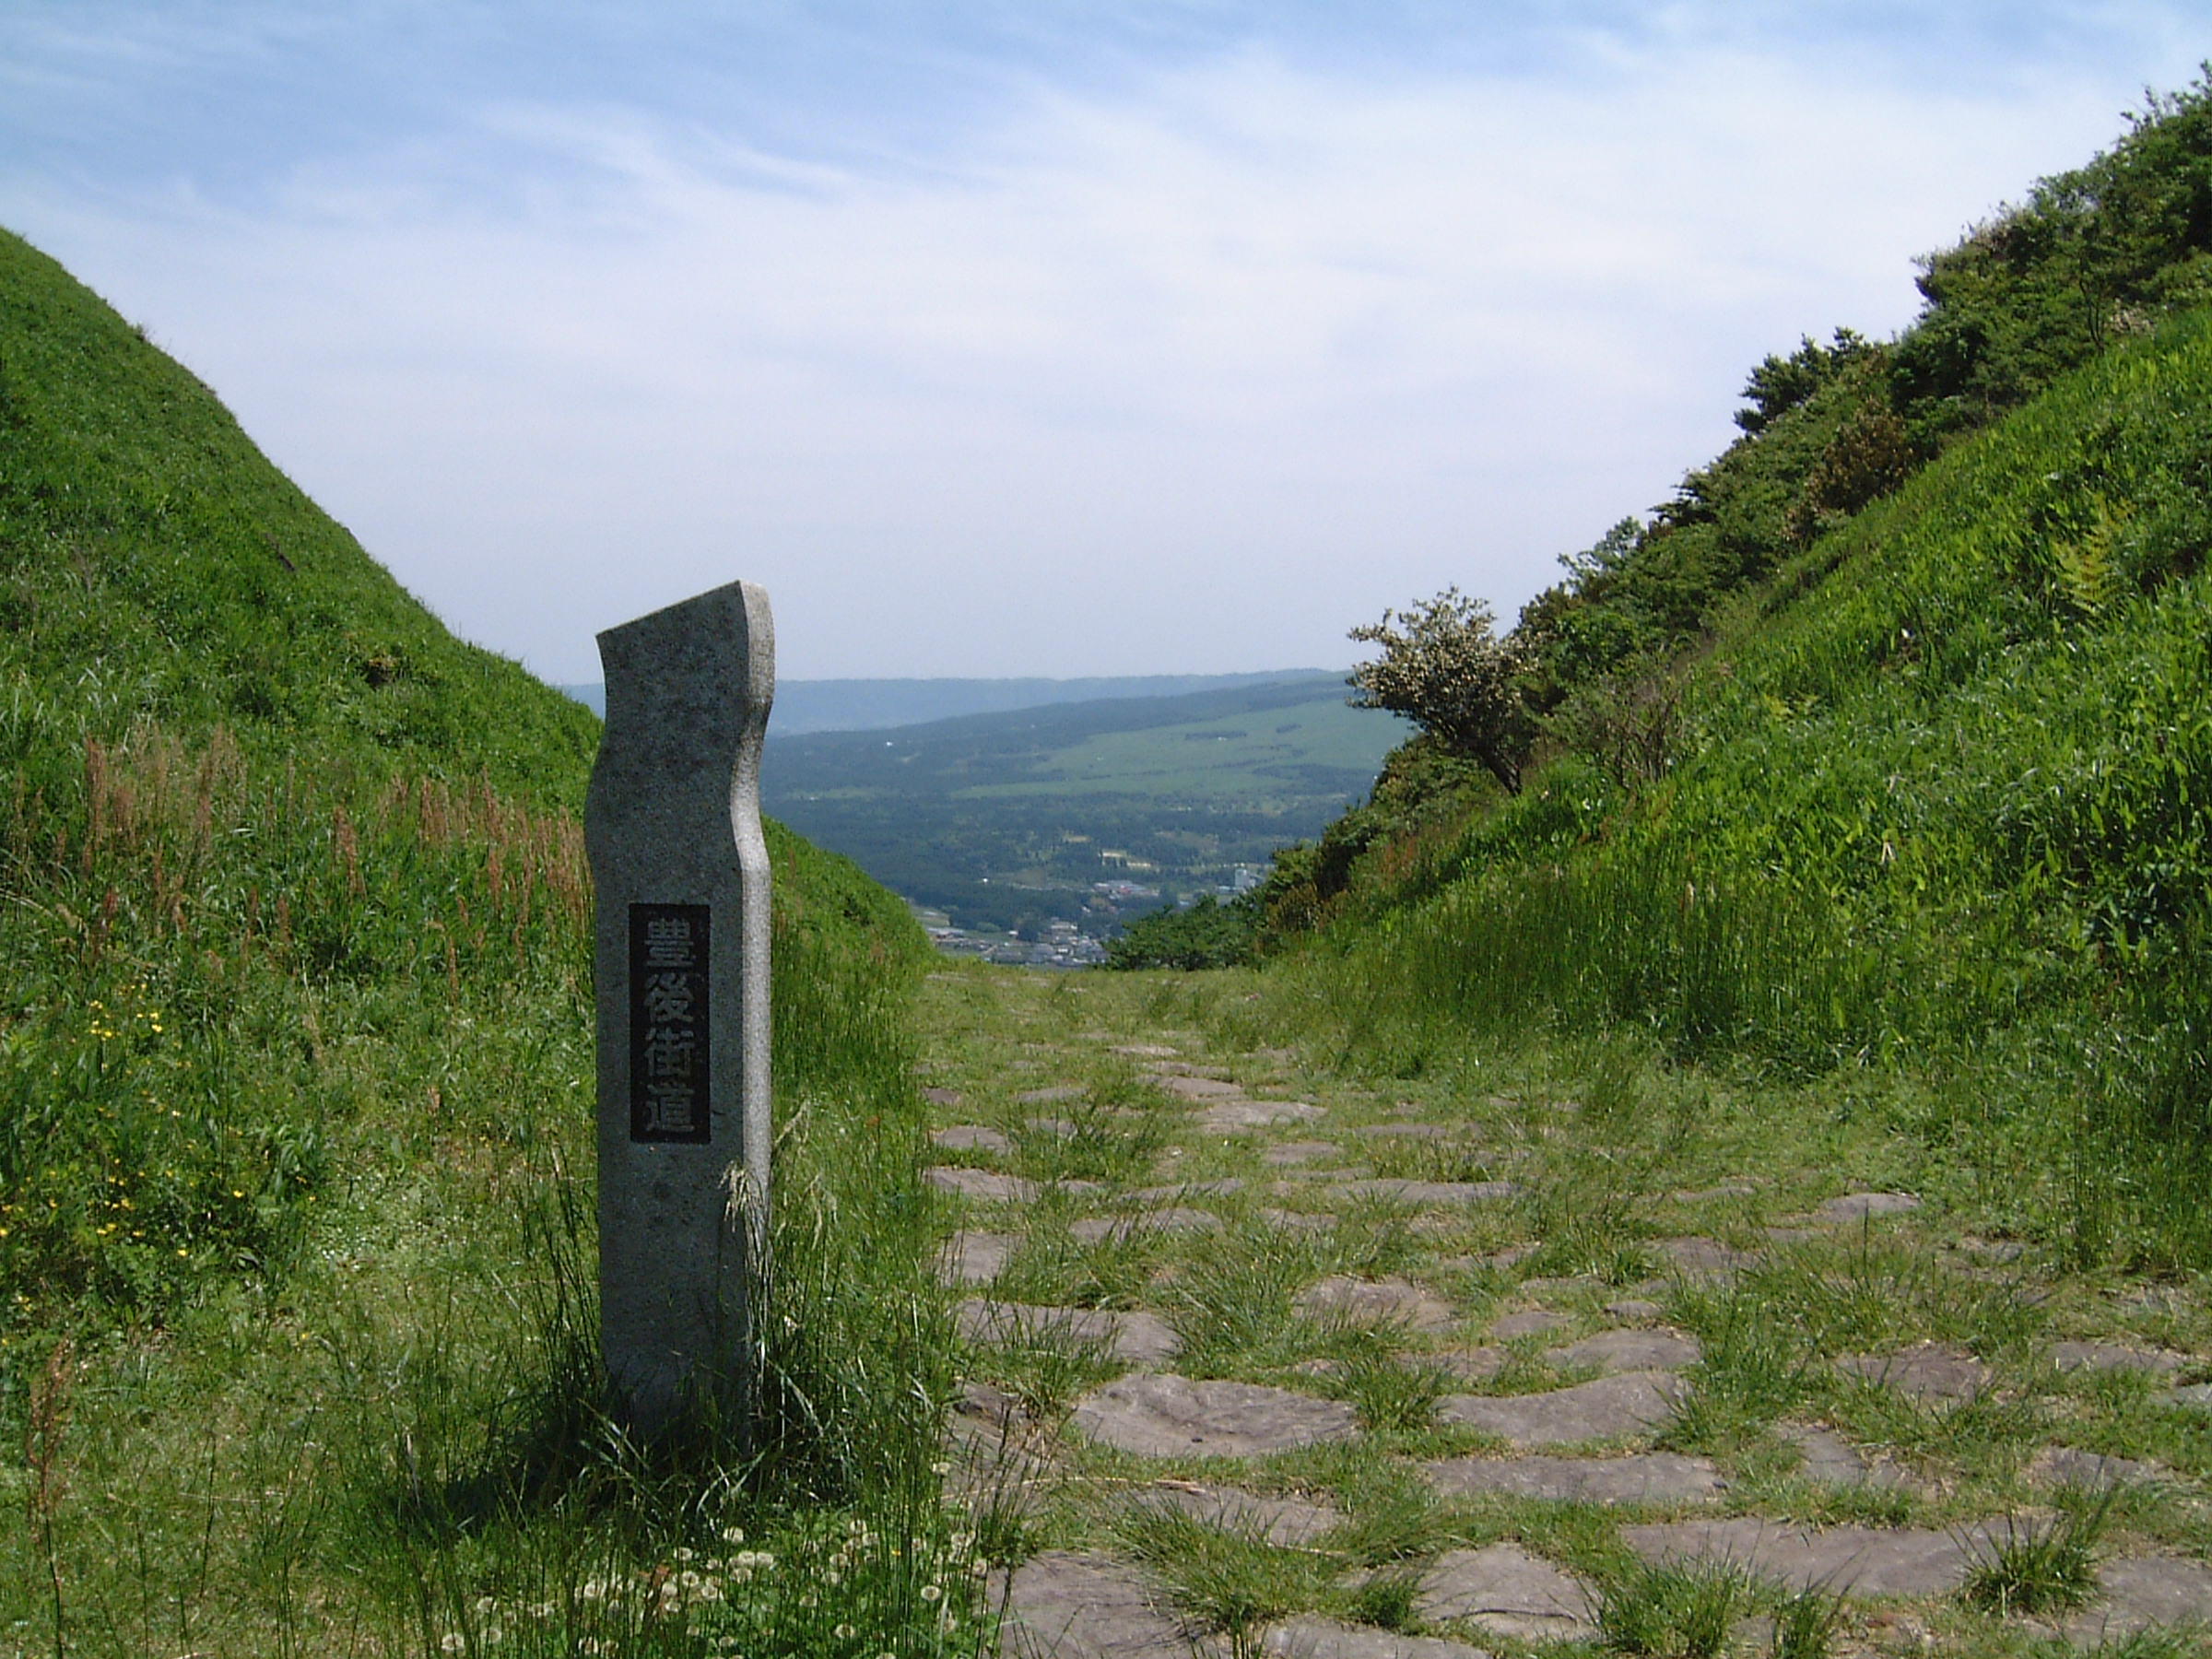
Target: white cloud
1187, 378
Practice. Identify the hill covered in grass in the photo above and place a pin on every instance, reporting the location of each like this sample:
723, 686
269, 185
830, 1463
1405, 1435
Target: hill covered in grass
1917, 792
296, 1068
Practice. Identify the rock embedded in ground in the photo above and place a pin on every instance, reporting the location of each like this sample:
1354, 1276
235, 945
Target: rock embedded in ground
1120, 1230
1505, 1590
1927, 1371
1347, 1299
1631, 1350
1633, 1308
1286, 1523
1861, 1560
975, 1258
985, 1186
2148, 1593
1828, 1459
972, 1137
2114, 1356
1168, 1415
1407, 1131
2195, 1396
1063, 1604
1234, 1117
1057, 1091
1200, 1088
1159, 1195
1300, 1152
1610, 1409
1399, 1191
1647, 1477
1314, 1637
2072, 1466
1858, 1206
1134, 1338
1467, 1365
942, 1096
1528, 1322
1145, 1050
1703, 1258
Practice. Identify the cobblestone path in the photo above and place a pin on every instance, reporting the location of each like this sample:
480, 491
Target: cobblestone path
1258, 1360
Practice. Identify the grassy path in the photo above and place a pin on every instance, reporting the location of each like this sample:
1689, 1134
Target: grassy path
1259, 1359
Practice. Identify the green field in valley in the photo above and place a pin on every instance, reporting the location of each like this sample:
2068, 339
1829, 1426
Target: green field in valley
1015, 818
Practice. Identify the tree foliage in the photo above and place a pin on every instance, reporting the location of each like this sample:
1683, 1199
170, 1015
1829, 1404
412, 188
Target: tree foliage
1444, 668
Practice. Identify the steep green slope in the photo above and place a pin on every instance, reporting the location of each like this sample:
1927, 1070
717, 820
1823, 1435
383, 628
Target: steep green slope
1940, 805
294, 898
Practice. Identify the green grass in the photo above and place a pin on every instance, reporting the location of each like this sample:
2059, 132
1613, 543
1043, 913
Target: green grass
1935, 820
296, 1112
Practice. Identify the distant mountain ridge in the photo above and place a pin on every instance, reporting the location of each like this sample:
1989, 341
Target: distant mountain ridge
875, 705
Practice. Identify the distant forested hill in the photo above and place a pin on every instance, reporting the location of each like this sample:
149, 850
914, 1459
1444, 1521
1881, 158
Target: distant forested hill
867, 705
1009, 819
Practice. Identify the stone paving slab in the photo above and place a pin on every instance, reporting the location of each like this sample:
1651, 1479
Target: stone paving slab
1830, 1460
1609, 1351
1703, 1258
1436, 1132
1648, 1477
2072, 1466
1528, 1322
1288, 1522
1160, 1195
2115, 1356
972, 1137
1387, 1301
1426, 1191
1313, 1637
985, 1186
1505, 1590
1607, 1409
1633, 1307
942, 1096
1300, 1152
1200, 1088
1057, 1091
1862, 1561
1136, 1338
1471, 1365
975, 1258
2196, 1396
1145, 1050
1065, 1604
1098, 1230
1926, 1370
1168, 1415
1234, 1117
2147, 1593
1859, 1207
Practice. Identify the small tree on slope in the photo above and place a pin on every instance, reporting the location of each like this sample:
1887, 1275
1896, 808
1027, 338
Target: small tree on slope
1445, 669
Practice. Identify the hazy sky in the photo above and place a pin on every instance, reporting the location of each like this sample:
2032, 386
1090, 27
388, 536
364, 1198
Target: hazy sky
1008, 336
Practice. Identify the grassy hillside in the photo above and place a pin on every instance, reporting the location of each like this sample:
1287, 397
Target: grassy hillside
1938, 815
1172, 791
295, 1071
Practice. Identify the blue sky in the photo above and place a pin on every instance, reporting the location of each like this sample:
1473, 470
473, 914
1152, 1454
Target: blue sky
1017, 338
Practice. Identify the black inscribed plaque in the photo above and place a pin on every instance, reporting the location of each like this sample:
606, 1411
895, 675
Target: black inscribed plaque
668, 1023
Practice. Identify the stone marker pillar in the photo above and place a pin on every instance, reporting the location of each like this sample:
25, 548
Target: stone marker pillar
673, 827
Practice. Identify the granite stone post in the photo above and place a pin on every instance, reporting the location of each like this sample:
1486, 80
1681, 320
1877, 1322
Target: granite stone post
673, 827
